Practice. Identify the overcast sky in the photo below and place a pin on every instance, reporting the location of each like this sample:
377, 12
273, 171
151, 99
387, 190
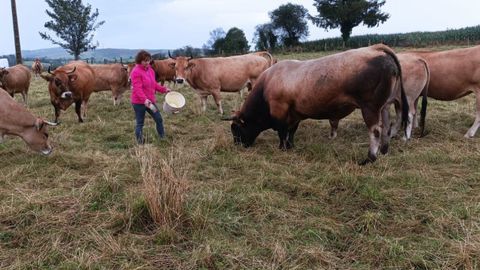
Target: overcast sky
171, 24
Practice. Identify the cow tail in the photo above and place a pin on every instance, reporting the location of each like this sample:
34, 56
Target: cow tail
405, 107
423, 111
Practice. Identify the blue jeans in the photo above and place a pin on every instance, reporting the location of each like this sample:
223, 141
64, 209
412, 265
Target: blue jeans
140, 110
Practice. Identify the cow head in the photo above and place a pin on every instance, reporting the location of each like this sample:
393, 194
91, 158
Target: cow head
183, 66
59, 82
130, 67
243, 131
36, 136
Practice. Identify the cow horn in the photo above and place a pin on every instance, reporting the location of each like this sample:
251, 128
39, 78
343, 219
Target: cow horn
174, 58
50, 123
191, 57
49, 71
73, 70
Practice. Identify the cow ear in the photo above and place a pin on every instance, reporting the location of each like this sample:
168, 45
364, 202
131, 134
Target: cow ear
47, 78
39, 124
72, 77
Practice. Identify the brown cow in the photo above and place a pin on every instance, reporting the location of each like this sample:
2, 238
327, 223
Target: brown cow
18, 121
16, 79
37, 67
71, 83
111, 77
416, 75
455, 74
326, 88
209, 76
164, 70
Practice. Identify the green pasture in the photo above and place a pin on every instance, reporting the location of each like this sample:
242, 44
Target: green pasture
312, 207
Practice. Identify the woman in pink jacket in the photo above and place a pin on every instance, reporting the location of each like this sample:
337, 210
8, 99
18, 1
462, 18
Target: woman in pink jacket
143, 98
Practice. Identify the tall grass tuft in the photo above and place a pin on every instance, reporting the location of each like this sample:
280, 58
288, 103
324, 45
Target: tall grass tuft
164, 191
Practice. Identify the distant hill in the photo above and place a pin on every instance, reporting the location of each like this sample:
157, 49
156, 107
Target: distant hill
98, 54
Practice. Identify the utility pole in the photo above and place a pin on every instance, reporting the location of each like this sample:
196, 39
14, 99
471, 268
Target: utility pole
16, 35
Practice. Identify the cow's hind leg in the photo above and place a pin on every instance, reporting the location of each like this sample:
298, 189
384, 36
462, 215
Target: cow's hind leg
471, 132
371, 118
386, 130
218, 100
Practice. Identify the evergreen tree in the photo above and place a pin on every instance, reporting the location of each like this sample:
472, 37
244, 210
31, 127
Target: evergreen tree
74, 23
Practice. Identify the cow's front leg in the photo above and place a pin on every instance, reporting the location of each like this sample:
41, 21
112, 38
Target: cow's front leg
84, 108
290, 136
57, 113
78, 110
282, 135
333, 128
203, 101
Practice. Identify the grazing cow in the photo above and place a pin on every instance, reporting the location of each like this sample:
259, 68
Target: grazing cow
209, 76
454, 74
16, 79
37, 67
18, 121
326, 88
71, 83
416, 75
164, 70
111, 77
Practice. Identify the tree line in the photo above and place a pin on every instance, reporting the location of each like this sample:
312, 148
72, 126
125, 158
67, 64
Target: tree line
74, 24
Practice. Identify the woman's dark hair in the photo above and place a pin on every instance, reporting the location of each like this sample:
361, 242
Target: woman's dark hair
142, 55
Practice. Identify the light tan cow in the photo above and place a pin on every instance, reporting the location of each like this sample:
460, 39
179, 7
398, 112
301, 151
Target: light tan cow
112, 77
16, 79
37, 67
210, 76
16, 120
455, 74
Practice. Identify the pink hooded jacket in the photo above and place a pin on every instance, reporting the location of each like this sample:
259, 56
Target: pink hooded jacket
144, 85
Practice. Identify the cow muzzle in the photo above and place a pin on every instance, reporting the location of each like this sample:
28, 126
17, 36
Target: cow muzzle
66, 95
180, 80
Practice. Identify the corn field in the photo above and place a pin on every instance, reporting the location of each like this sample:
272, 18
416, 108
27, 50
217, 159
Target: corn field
463, 36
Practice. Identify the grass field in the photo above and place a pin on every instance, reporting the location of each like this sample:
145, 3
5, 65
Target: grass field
86, 205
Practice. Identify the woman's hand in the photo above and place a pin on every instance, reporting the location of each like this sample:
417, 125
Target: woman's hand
147, 103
